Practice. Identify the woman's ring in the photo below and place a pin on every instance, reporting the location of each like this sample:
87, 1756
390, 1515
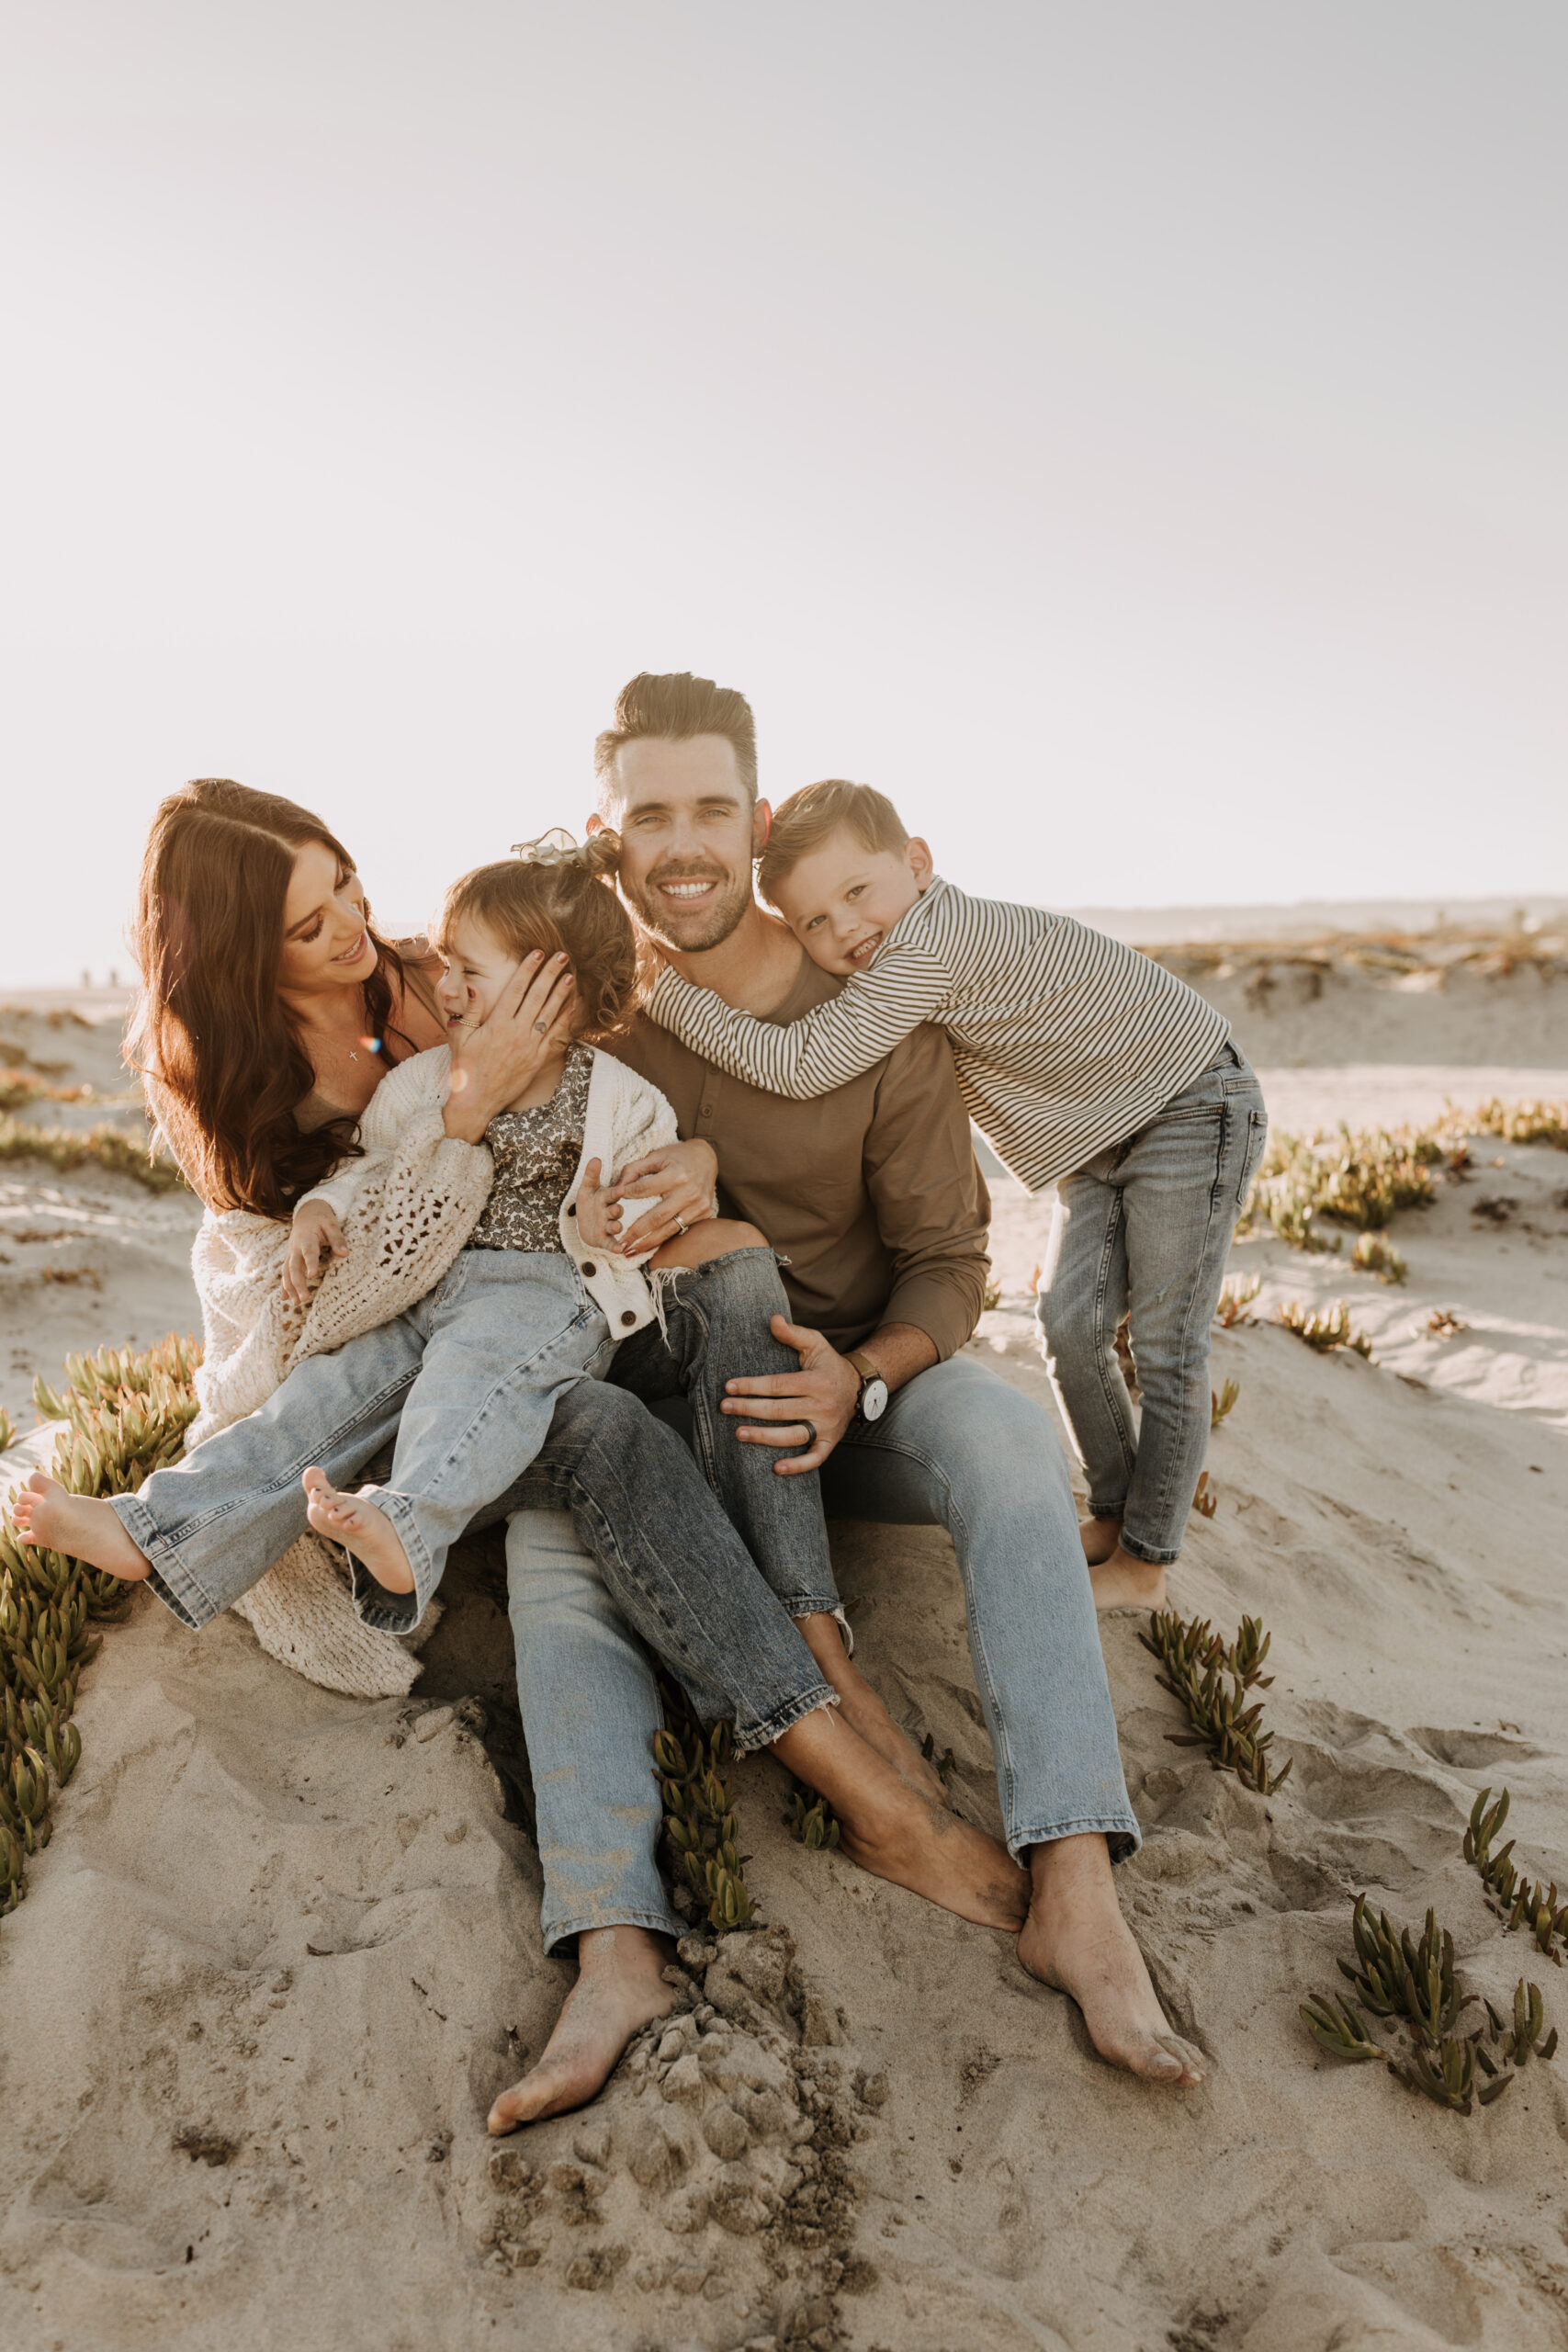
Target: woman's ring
680, 1221
541, 1026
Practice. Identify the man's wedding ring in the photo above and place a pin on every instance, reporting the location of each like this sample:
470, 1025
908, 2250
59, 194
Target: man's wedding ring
810, 1429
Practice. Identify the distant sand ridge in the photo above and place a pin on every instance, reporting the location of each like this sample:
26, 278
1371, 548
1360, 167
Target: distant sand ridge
284, 1947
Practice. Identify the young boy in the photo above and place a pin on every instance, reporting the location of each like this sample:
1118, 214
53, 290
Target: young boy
1084, 1065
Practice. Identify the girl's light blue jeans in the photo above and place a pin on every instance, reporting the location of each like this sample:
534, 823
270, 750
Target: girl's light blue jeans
1145, 1228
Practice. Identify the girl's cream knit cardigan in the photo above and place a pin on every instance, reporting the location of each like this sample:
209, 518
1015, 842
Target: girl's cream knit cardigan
414, 1199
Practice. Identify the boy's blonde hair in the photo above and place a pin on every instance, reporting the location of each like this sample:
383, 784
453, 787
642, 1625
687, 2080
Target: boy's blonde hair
804, 821
563, 905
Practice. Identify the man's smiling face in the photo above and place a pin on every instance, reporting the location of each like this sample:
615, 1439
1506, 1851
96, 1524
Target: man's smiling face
689, 831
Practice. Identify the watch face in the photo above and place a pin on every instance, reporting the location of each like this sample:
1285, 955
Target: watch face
873, 1401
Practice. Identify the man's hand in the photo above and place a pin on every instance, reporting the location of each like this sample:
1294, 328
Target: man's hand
678, 1179
315, 1232
822, 1392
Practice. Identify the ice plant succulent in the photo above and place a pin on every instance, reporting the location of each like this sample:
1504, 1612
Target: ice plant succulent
128, 1416
1214, 1683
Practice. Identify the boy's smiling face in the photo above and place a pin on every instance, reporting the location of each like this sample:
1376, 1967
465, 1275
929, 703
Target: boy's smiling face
842, 900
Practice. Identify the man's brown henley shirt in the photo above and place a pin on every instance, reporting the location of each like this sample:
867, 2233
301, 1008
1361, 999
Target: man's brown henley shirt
872, 1194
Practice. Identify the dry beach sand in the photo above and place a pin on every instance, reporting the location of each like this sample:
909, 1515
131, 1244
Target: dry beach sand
283, 1948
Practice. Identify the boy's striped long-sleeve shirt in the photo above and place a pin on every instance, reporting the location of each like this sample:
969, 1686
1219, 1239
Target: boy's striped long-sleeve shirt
1064, 1041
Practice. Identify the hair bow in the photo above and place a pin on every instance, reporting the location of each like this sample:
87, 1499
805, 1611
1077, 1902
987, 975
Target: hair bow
554, 848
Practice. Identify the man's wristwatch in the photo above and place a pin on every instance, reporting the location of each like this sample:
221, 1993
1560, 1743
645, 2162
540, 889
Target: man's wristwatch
871, 1401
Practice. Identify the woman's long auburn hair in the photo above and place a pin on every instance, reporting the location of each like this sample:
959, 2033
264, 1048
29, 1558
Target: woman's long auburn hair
212, 1039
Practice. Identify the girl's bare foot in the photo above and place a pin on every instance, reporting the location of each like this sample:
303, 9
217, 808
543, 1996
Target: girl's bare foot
1121, 1581
1077, 1941
81, 1526
897, 1832
354, 1521
620, 1988
861, 1707
1100, 1538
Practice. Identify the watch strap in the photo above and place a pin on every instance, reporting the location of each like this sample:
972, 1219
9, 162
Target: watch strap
864, 1365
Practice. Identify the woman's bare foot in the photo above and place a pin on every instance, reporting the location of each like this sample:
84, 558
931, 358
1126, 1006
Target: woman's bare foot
620, 1988
861, 1707
1100, 1538
1077, 1941
81, 1526
354, 1521
897, 1832
1121, 1581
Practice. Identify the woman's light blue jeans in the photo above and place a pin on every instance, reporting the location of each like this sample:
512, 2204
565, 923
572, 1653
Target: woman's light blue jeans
1145, 1228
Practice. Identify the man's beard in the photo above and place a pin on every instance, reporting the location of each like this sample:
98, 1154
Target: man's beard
710, 928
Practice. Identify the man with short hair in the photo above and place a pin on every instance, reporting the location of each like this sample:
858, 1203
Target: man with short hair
873, 1200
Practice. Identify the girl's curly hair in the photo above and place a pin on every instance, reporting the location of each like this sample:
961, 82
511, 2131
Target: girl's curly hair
568, 906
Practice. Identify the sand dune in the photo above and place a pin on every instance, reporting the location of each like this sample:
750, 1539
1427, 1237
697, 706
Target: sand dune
284, 1947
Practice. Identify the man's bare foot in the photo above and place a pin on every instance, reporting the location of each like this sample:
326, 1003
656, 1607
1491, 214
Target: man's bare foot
81, 1526
897, 1832
1100, 1538
354, 1521
861, 1707
1121, 1581
619, 1989
1077, 1941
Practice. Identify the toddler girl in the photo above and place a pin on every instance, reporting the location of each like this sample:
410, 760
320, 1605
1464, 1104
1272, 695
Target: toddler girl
1085, 1063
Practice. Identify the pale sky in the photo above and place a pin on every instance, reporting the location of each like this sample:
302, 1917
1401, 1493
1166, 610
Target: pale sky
1132, 435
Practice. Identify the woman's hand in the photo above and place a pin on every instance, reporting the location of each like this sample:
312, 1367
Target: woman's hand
678, 1179
314, 1232
495, 1062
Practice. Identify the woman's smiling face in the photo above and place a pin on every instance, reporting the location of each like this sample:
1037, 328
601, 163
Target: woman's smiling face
326, 933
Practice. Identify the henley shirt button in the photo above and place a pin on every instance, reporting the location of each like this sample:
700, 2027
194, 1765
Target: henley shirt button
590, 1269
628, 1315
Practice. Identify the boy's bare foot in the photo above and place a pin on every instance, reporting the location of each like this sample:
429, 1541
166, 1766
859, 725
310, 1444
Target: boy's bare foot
861, 1707
354, 1521
619, 1989
1077, 1941
898, 1833
1120, 1581
81, 1526
1100, 1538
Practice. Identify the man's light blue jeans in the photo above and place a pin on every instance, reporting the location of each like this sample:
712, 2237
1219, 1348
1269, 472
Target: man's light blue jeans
957, 1448
1145, 1227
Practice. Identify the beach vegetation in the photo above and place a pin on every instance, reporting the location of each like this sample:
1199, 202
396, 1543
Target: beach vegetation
1235, 1297
128, 1414
1373, 1255
1408, 1984
1324, 1332
1214, 1681
701, 1827
1518, 1900
1220, 1406
104, 1147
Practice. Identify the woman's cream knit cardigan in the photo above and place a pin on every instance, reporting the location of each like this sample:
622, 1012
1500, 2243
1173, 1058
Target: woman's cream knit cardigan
417, 1206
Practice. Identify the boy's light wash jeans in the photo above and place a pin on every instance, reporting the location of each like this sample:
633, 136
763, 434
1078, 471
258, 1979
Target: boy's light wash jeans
621, 1551
957, 1448
1146, 1226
